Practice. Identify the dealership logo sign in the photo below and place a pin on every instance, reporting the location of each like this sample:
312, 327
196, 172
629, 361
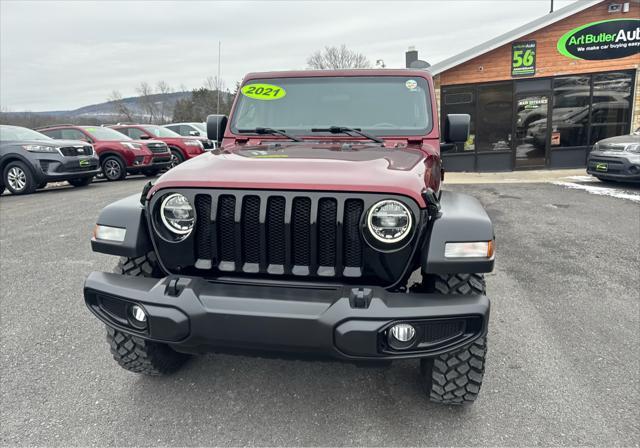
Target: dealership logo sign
606, 39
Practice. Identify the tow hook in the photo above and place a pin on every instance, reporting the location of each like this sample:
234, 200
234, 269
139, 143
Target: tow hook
360, 297
175, 286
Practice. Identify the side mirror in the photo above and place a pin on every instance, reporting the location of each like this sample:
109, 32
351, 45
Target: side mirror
456, 128
194, 133
145, 137
216, 125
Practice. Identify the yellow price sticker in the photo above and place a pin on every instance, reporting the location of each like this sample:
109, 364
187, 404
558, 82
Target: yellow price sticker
263, 92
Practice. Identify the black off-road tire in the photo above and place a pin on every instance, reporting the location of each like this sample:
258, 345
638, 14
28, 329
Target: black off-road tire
81, 181
140, 356
455, 377
458, 284
134, 353
145, 266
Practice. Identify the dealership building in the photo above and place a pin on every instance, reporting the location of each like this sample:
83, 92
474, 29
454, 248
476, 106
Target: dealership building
541, 95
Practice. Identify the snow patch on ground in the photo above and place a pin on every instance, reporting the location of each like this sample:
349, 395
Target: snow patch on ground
602, 191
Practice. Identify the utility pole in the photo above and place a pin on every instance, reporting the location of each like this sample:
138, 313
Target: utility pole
219, 80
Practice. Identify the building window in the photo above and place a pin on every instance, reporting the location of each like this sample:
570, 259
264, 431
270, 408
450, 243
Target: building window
495, 114
571, 102
611, 105
461, 101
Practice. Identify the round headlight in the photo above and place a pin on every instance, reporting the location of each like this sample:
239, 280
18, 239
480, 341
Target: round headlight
389, 221
177, 214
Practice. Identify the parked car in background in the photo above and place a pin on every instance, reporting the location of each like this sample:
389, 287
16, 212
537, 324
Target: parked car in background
616, 158
118, 153
182, 148
194, 129
29, 159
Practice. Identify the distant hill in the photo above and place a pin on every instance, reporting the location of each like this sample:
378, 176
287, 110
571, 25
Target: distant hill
108, 109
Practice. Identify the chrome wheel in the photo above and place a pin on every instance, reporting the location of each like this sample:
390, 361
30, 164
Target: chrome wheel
16, 178
175, 160
112, 169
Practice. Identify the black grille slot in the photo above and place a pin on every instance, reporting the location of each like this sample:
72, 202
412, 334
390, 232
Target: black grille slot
275, 230
438, 331
225, 227
204, 249
327, 210
251, 229
300, 227
281, 234
353, 209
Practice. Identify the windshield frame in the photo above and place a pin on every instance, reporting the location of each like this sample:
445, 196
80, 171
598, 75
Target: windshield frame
383, 133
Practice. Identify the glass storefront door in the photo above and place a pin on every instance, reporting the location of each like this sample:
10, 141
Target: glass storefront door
531, 130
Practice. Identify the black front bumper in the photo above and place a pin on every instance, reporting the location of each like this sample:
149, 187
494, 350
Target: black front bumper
193, 315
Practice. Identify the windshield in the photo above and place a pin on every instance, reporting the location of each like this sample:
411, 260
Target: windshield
19, 133
202, 127
381, 105
100, 133
159, 131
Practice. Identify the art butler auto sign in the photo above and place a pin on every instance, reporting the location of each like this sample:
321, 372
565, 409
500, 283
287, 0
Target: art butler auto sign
606, 39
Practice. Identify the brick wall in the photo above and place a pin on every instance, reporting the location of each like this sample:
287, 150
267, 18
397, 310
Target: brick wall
496, 65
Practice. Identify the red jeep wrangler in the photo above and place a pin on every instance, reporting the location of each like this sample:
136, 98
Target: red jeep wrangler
182, 148
318, 229
118, 153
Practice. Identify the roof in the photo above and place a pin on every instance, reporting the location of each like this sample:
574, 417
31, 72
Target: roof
512, 35
338, 73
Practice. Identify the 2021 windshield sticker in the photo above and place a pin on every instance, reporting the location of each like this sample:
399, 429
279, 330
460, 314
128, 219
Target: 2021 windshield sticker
263, 92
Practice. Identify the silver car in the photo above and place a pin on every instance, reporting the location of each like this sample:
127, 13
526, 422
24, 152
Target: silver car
616, 158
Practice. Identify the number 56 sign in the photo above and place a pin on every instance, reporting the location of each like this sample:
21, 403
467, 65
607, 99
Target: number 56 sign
523, 58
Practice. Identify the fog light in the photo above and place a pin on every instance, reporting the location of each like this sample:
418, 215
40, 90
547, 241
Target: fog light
403, 332
401, 336
137, 316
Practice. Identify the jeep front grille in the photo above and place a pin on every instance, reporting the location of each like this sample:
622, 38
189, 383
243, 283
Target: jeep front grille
293, 234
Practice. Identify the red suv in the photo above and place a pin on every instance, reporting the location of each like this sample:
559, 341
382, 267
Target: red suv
118, 153
182, 148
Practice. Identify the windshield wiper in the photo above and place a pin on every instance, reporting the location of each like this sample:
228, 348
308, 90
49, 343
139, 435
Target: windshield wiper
270, 131
346, 130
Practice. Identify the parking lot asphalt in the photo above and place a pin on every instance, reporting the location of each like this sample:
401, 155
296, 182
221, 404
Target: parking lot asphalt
562, 367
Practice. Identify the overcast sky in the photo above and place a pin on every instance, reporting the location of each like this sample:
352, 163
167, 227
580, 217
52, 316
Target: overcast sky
64, 55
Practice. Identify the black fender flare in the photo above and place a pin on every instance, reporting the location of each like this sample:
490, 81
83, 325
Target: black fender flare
462, 218
127, 213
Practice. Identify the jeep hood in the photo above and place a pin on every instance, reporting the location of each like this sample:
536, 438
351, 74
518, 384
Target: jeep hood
305, 166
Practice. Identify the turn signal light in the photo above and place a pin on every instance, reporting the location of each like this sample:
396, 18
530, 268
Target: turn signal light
479, 249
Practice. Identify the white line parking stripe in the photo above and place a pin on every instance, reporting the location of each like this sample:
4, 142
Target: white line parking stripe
601, 191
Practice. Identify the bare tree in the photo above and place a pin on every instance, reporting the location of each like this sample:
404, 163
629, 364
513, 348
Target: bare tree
120, 107
334, 58
163, 88
215, 84
147, 101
